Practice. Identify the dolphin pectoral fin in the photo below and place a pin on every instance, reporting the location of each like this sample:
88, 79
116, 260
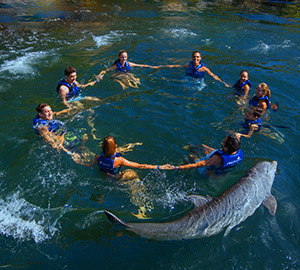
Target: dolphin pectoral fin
198, 200
271, 204
228, 230
113, 219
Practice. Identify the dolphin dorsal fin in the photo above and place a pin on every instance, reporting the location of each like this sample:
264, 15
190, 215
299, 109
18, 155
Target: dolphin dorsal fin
271, 204
113, 219
199, 200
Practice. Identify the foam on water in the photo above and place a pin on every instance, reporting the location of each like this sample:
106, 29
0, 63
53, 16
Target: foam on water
24, 221
180, 33
265, 48
110, 38
23, 64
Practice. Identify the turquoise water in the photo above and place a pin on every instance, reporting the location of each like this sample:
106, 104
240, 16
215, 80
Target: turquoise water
51, 214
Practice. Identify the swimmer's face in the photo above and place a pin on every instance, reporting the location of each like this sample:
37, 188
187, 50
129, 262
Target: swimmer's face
71, 78
47, 113
196, 57
244, 76
259, 91
123, 57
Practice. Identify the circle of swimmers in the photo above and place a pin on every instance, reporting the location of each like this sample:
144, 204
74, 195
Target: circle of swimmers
111, 160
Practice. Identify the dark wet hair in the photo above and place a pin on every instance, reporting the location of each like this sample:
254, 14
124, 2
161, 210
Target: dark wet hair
232, 143
196, 52
39, 108
108, 146
244, 70
69, 70
118, 60
257, 111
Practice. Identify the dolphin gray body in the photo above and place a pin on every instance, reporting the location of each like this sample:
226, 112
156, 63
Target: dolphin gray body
212, 215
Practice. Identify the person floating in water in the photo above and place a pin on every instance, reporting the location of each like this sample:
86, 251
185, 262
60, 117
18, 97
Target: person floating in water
217, 160
196, 69
252, 122
53, 130
243, 85
110, 161
69, 89
123, 66
262, 98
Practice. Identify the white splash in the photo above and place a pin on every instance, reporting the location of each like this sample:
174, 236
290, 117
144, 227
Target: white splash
23, 64
110, 38
24, 221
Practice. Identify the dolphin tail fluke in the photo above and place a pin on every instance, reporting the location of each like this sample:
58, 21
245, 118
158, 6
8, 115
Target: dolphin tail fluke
271, 204
113, 219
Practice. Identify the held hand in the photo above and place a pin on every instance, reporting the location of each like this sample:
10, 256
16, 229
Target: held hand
227, 85
167, 167
76, 158
238, 135
99, 77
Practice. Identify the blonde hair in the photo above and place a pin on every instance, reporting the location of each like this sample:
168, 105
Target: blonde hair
109, 146
266, 89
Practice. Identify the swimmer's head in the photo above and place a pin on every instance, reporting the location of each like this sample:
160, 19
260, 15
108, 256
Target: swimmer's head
231, 144
123, 56
45, 111
70, 74
262, 90
244, 76
254, 113
109, 146
196, 56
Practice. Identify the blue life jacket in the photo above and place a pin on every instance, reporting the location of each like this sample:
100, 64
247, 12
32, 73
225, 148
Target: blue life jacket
74, 90
193, 71
255, 100
106, 165
229, 161
239, 86
53, 125
125, 69
248, 123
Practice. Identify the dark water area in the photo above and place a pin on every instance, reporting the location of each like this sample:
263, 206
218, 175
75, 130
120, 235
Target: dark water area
51, 209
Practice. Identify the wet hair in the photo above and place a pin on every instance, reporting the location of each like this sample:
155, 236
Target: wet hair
118, 60
266, 89
108, 146
39, 108
244, 70
196, 52
232, 143
69, 70
257, 111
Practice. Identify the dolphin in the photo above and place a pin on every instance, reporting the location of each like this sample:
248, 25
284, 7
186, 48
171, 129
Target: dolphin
212, 215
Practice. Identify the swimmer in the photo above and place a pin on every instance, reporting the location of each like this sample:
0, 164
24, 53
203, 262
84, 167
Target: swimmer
252, 122
243, 85
218, 160
123, 66
53, 130
197, 69
110, 162
69, 89
262, 97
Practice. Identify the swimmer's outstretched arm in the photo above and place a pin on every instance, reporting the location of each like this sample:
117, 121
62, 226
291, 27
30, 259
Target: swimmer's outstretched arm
252, 129
141, 65
85, 85
120, 161
89, 165
214, 76
102, 73
215, 160
175, 66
